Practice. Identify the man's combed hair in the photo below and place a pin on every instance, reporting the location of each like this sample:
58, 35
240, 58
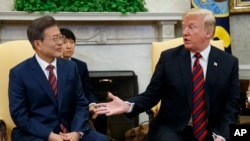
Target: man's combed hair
68, 34
209, 20
36, 30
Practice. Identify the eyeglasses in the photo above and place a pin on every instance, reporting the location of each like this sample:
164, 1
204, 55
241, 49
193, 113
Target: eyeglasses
56, 38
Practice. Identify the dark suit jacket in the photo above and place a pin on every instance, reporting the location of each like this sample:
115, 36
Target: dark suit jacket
33, 106
86, 83
172, 84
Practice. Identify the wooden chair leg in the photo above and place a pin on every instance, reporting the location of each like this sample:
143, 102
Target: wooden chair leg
3, 134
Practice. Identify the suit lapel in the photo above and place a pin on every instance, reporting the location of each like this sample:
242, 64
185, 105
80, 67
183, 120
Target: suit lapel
185, 67
212, 73
41, 79
212, 66
61, 80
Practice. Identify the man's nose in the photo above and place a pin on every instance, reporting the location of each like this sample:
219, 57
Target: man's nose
185, 31
68, 45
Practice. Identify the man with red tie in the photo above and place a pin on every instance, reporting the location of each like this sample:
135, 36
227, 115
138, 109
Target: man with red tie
46, 99
198, 86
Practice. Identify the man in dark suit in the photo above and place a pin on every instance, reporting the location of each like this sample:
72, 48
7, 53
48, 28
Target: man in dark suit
100, 122
48, 105
173, 83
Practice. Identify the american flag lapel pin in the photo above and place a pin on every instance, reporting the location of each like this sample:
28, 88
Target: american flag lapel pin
215, 64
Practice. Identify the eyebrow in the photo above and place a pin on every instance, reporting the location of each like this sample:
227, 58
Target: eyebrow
57, 35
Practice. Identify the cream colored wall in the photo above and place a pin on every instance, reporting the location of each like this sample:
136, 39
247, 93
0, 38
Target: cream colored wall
167, 5
240, 32
6, 5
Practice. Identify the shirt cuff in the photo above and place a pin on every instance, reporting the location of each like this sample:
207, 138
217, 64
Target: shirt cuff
218, 136
248, 99
81, 134
131, 106
93, 103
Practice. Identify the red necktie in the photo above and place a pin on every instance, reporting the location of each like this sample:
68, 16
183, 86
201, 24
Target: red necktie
53, 84
199, 108
52, 79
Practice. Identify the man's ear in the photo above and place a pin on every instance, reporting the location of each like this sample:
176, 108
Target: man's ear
37, 44
209, 34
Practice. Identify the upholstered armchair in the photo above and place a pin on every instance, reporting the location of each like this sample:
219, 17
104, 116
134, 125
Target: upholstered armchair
11, 53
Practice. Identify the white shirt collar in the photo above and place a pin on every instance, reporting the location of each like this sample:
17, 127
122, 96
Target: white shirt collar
43, 64
204, 53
